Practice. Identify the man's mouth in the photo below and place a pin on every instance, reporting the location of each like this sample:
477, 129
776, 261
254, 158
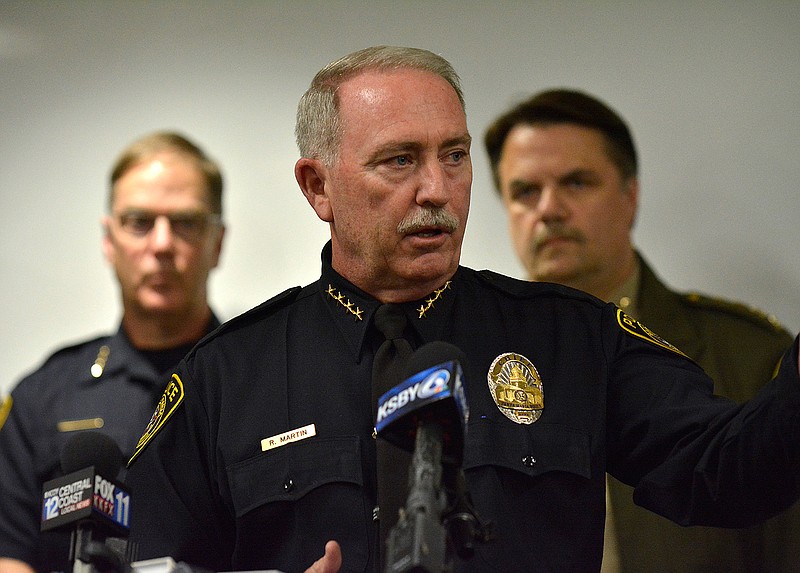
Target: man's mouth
428, 223
427, 233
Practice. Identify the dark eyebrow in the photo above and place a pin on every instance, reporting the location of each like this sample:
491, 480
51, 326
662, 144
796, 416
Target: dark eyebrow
578, 174
521, 184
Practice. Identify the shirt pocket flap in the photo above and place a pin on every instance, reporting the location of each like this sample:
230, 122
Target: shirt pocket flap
290, 472
531, 449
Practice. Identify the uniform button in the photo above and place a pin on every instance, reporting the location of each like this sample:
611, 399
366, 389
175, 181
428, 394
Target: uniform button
529, 461
288, 485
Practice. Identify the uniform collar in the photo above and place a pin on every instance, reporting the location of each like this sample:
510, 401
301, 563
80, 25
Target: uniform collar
117, 355
626, 296
352, 309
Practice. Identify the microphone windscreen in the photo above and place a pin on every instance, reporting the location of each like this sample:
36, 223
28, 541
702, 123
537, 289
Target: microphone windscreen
96, 449
432, 354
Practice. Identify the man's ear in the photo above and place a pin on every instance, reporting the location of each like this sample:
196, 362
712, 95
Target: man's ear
312, 176
108, 245
632, 191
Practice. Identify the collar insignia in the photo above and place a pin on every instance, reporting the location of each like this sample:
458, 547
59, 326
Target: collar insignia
348, 306
432, 299
100, 361
516, 388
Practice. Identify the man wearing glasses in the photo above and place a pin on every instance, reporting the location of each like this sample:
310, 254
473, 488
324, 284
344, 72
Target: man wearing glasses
162, 236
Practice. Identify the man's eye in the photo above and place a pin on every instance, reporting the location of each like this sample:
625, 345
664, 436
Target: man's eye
138, 223
402, 160
578, 184
186, 224
524, 192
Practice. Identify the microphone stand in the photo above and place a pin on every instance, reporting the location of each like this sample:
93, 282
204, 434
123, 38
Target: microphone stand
429, 530
416, 544
92, 553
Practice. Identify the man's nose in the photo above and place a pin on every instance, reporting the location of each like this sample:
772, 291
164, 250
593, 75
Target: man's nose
433, 186
162, 236
551, 205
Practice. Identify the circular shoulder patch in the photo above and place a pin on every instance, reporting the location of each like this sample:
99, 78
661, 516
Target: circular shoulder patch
170, 400
5, 409
639, 330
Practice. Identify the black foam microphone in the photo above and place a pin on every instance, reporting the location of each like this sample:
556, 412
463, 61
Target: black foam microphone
427, 413
90, 502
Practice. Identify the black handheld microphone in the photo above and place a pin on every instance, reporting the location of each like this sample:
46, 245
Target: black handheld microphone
426, 414
90, 502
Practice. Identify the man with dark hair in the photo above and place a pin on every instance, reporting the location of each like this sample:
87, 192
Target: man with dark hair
162, 236
565, 165
265, 451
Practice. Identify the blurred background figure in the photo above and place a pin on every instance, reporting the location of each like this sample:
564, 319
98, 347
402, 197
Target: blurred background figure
163, 234
565, 166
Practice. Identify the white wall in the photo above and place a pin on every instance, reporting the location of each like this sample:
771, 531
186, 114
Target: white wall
711, 90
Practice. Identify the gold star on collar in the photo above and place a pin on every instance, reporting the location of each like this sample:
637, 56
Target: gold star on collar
348, 306
432, 299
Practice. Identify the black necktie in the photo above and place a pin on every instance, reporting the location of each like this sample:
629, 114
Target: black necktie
388, 369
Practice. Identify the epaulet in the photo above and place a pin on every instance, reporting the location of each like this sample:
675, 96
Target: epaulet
90, 346
78, 346
522, 288
269, 306
737, 309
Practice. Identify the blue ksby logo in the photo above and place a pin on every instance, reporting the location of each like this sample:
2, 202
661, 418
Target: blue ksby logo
427, 386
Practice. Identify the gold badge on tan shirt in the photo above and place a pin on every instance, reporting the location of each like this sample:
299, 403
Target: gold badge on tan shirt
516, 388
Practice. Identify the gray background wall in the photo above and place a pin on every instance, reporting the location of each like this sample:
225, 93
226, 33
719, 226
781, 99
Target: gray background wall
711, 90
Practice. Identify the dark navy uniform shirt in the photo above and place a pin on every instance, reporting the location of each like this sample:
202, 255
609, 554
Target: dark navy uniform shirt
103, 384
262, 448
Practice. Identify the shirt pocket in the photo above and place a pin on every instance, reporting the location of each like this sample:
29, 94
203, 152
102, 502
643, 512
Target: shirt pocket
534, 484
291, 500
290, 472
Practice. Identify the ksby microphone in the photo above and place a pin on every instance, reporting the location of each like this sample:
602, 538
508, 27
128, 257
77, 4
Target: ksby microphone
426, 413
433, 391
89, 501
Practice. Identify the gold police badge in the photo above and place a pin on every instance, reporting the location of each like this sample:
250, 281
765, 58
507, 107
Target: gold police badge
516, 388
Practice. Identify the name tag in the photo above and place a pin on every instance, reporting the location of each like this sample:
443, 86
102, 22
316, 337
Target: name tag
288, 437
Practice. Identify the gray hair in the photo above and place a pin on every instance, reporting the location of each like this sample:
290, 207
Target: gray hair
318, 128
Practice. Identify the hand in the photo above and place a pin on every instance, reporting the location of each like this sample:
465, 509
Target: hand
330, 562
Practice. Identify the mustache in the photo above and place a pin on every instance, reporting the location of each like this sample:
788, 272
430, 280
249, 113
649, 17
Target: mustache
556, 231
428, 217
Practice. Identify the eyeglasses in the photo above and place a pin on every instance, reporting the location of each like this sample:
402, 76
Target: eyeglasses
188, 226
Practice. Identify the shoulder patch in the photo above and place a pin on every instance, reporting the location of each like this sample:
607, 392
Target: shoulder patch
169, 402
738, 309
5, 409
637, 329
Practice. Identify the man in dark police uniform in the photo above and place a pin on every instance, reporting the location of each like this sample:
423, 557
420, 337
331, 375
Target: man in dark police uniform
385, 162
162, 236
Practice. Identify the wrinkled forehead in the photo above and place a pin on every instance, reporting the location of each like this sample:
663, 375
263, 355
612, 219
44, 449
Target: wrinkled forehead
379, 100
172, 173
